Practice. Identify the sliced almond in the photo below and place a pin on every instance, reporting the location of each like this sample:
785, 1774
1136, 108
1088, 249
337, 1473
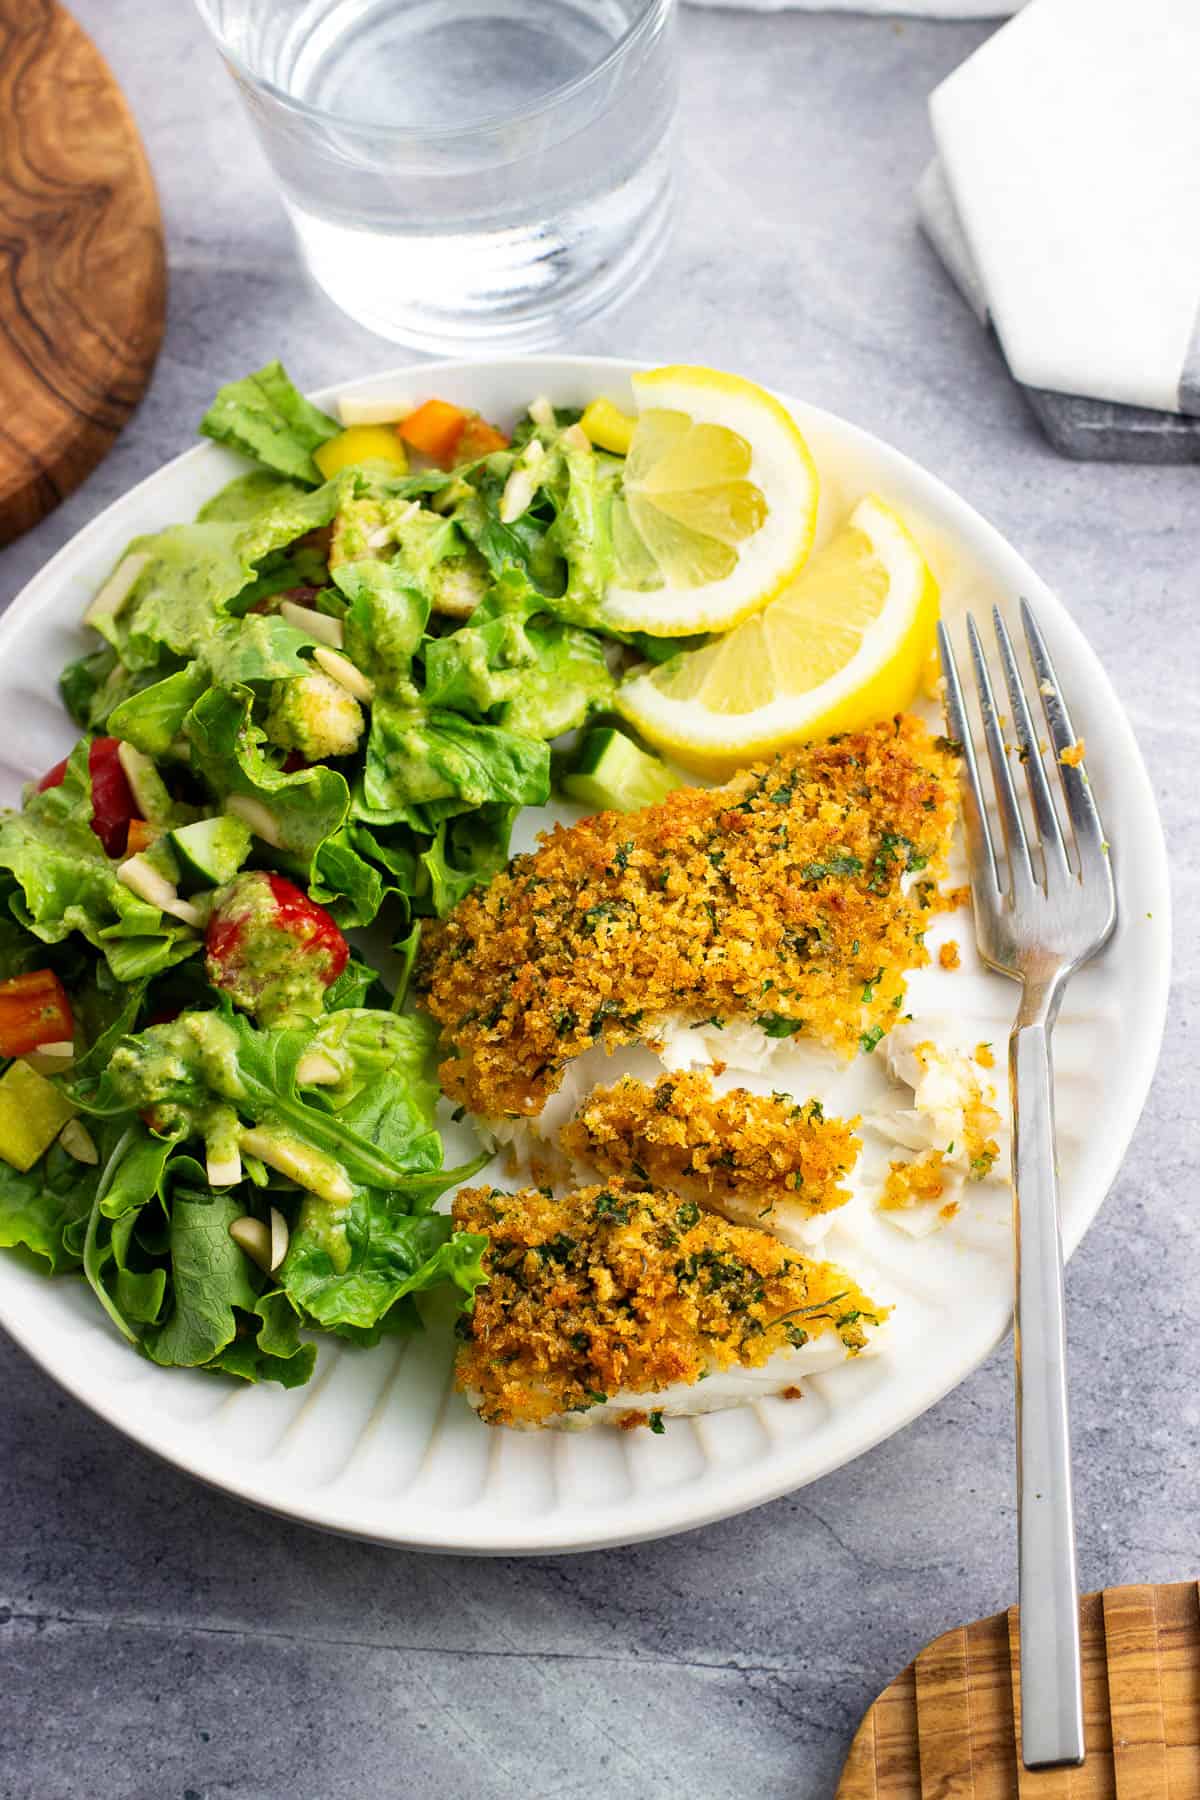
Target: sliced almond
144, 880
117, 588
252, 1236
575, 438
369, 409
522, 484
316, 1069
310, 1169
279, 1238
51, 1059
253, 813
318, 625
142, 776
223, 1171
541, 412
78, 1142
339, 668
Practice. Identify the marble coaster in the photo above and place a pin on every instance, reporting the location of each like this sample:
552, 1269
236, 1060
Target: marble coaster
1088, 430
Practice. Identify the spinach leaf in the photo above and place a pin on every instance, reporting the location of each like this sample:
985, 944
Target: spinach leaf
353, 1277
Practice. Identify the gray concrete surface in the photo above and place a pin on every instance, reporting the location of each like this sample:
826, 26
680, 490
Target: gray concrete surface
159, 1642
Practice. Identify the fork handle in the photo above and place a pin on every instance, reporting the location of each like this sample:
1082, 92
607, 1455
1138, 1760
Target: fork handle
1051, 1680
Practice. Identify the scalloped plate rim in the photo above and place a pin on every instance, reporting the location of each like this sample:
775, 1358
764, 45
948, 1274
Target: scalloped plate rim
790, 1466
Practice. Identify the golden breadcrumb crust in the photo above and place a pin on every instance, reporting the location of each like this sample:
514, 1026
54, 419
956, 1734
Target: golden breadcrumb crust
613, 1289
776, 898
763, 1148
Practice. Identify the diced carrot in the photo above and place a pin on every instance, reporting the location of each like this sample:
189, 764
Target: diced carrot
34, 1010
434, 429
478, 438
141, 836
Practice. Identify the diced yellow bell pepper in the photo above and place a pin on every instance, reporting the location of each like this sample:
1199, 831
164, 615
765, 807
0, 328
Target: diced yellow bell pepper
32, 1113
608, 427
360, 444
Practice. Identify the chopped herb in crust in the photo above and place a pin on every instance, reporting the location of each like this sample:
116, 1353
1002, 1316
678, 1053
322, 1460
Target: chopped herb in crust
779, 898
748, 1151
620, 1290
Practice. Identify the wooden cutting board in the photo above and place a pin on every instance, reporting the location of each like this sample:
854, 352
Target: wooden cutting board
82, 270
949, 1727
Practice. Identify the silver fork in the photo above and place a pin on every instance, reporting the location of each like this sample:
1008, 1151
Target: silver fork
1041, 911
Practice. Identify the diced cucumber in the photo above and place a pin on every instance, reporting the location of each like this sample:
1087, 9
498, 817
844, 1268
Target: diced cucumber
211, 851
610, 773
32, 1113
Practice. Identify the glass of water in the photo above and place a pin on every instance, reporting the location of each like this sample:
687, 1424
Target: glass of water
463, 174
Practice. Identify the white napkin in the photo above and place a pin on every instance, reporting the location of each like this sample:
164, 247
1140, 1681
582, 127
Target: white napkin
1070, 147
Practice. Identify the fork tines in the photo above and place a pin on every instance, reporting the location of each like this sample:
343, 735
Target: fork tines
1091, 850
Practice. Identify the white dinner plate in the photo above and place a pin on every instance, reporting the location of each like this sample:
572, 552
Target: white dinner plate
377, 1444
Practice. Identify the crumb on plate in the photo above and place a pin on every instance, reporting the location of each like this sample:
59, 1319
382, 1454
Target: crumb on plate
914, 1183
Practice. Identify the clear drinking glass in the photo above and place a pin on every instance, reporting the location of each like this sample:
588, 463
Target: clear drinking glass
463, 174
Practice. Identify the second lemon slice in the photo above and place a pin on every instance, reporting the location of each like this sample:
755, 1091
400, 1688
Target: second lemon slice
843, 644
718, 506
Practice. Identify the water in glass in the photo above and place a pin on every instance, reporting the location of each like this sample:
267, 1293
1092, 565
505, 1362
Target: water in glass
463, 173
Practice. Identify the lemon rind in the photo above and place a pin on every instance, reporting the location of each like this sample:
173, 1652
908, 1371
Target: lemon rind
781, 546
712, 741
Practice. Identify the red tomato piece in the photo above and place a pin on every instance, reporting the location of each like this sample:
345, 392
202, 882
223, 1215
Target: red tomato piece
271, 948
34, 1010
309, 923
53, 777
221, 940
112, 799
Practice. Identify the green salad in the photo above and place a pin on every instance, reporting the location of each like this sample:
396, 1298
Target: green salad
314, 710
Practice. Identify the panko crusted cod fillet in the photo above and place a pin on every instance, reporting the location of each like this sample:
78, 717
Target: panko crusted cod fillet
620, 1305
764, 1160
781, 899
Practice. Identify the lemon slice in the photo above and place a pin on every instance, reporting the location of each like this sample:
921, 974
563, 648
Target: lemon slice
718, 506
845, 643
